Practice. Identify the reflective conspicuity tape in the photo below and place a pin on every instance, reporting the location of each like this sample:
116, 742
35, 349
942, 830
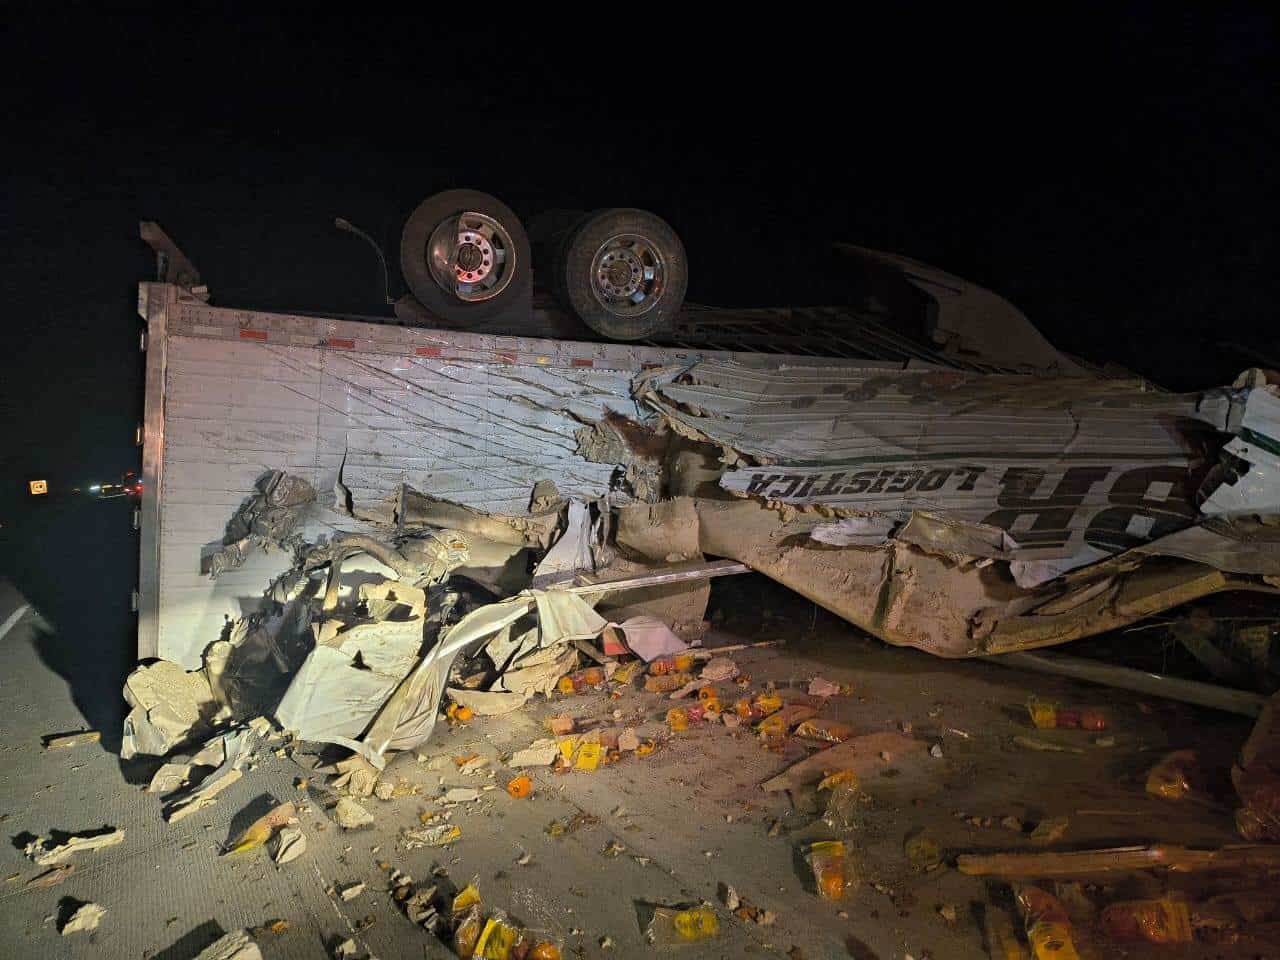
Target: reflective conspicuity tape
252, 334
340, 343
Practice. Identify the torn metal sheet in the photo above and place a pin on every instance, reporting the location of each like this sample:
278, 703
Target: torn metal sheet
1056, 464
408, 716
572, 552
914, 597
170, 707
409, 509
537, 677
855, 531
636, 451
649, 638
962, 318
268, 518
488, 703
1250, 473
1242, 545
338, 690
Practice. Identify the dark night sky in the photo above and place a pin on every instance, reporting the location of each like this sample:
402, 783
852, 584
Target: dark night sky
1113, 174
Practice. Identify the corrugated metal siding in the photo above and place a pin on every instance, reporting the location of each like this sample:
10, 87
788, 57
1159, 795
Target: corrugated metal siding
845, 415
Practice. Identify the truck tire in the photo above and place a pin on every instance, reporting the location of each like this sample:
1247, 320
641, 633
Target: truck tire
624, 273
465, 256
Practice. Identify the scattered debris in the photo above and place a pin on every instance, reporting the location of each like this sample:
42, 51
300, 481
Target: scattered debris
237, 945
818, 687
350, 891
290, 843
830, 869
560, 828
350, 815
435, 835
541, 753
52, 877
1162, 920
67, 741
1049, 830
1044, 746
1177, 776
47, 856
923, 852
262, 830
85, 919
1256, 778
674, 927
1048, 927
171, 777
865, 756
349, 950
460, 795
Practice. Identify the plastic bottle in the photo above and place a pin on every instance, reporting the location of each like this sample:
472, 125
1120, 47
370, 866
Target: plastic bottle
1093, 719
1047, 924
534, 946
467, 933
496, 939
842, 801
677, 720
592, 676
768, 703
829, 731
827, 861
772, 727
565, 685
1164, 920
1176, 776
683, 662
674, 927
1044, 713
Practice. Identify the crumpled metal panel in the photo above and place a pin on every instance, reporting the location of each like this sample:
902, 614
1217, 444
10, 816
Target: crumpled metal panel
473, 418
1058, 464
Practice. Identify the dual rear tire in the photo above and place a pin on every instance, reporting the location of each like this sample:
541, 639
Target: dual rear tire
466, 257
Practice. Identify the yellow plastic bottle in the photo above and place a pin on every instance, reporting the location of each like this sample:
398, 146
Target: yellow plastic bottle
827, 861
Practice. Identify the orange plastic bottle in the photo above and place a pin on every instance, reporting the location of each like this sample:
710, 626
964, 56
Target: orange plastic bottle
1166, 920
828, 864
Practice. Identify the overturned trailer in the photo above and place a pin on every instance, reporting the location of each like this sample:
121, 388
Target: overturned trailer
935, 490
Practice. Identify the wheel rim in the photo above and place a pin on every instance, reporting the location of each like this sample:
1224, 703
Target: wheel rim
628, 275
471, 256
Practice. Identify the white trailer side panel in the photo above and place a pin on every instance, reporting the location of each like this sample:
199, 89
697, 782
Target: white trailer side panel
232, 394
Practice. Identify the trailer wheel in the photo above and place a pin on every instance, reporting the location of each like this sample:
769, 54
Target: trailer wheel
624, 273
465, 255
